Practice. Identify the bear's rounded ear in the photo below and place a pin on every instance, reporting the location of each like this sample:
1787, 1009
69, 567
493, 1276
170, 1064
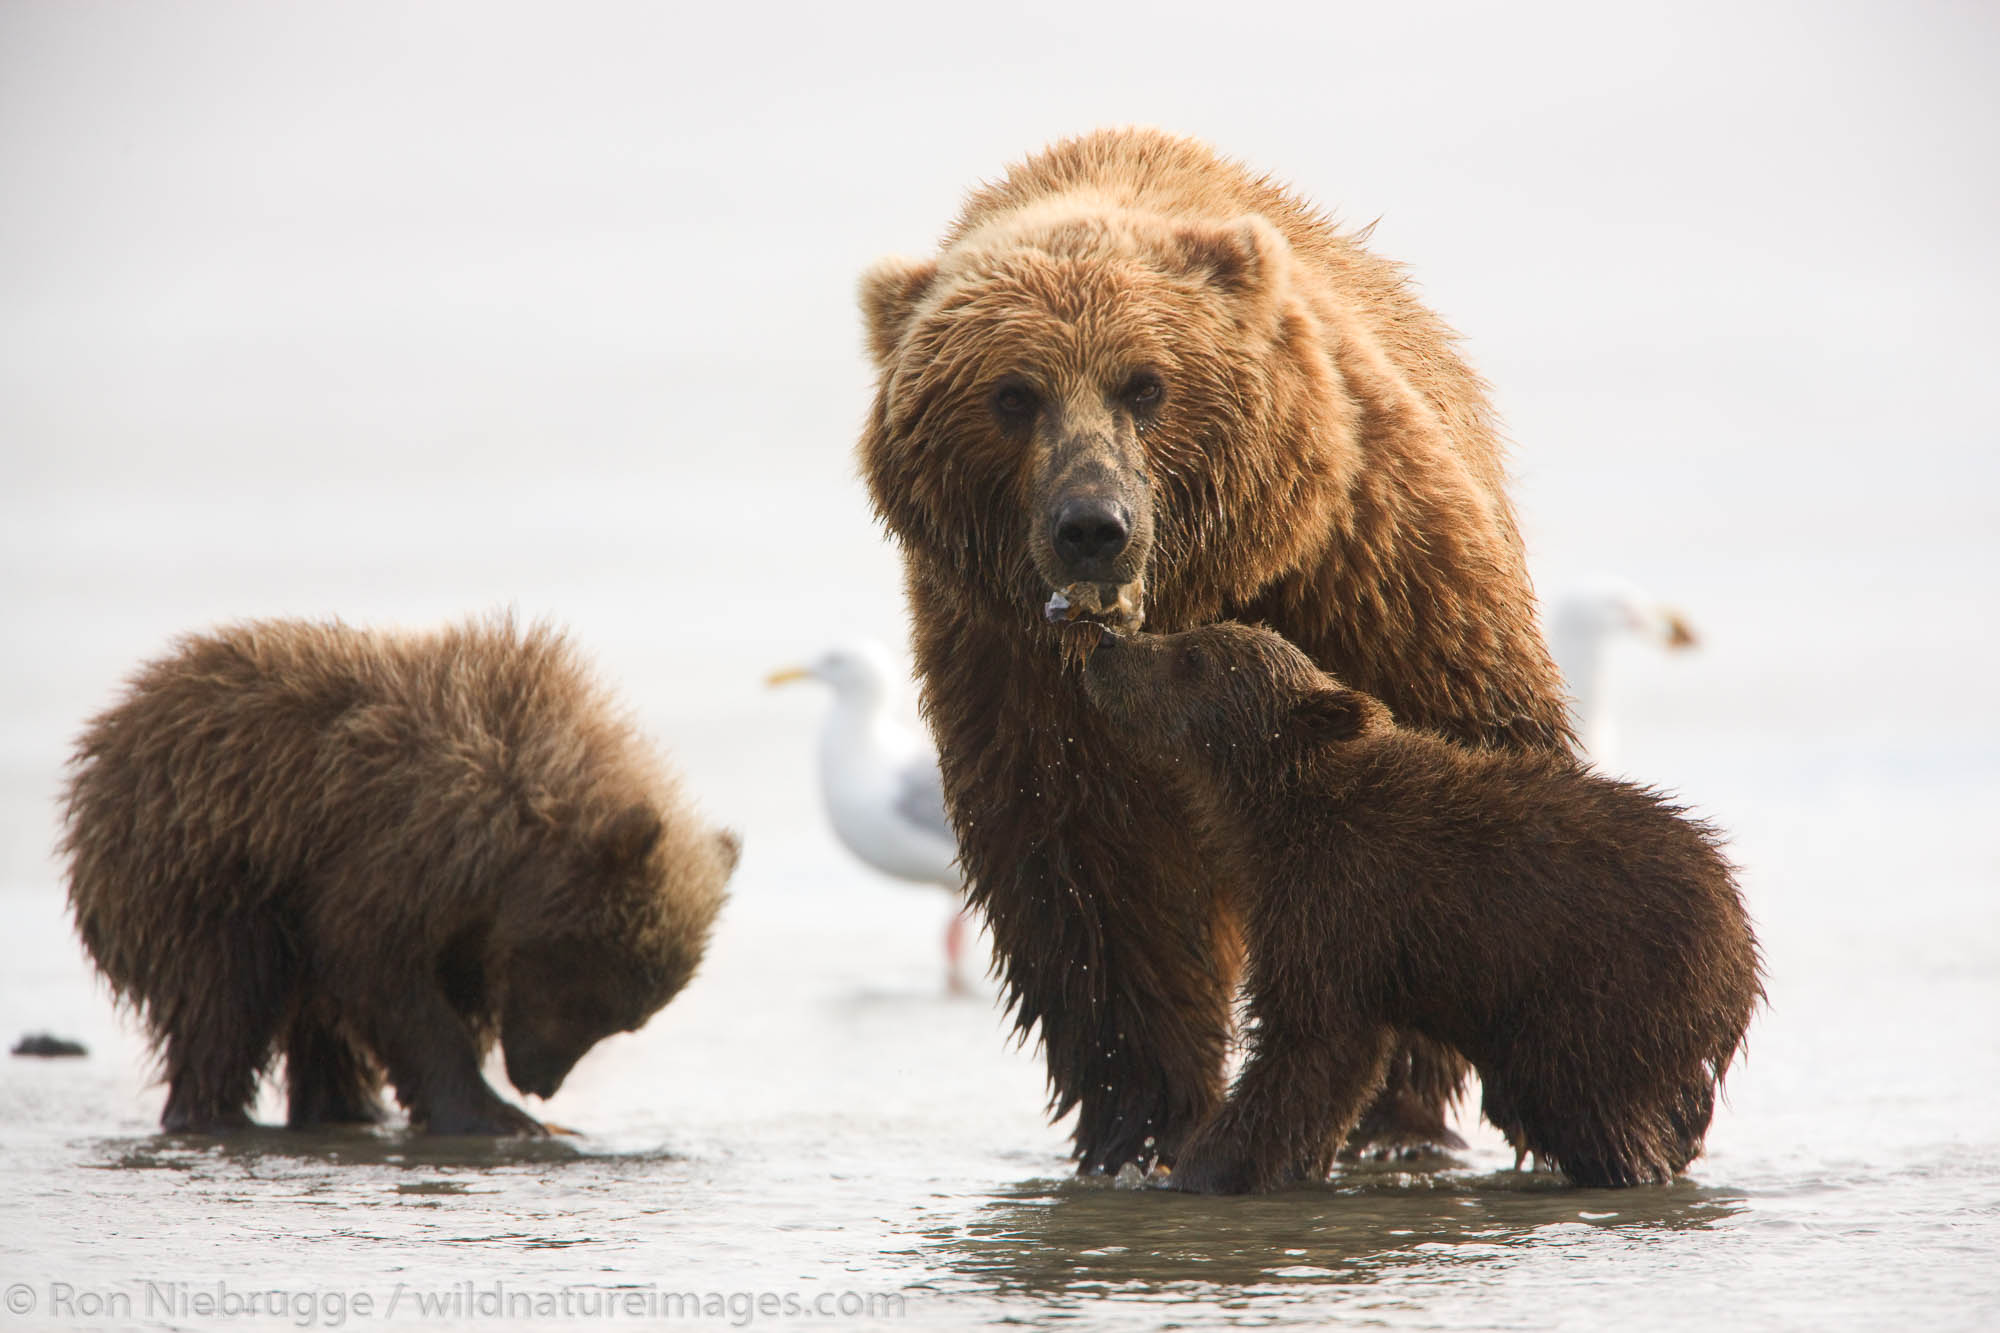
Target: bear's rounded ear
890, 291
631, 836
1240, 257
732, 850
1329, 716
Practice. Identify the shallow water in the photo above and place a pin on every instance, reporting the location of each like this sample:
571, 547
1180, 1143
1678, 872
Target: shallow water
815, 1119
401, 313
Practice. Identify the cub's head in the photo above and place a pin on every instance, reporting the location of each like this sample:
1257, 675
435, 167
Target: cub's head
1078, 393
613, 945
1223, 688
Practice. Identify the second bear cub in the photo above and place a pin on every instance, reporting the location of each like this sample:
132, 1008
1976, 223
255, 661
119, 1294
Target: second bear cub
1576, 938
378, 854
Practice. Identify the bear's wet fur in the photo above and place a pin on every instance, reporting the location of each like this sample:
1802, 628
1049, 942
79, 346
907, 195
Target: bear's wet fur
375, 854
1576, 937
1137, 365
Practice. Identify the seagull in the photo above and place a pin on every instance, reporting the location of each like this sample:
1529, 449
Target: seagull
1586, 621
883, 792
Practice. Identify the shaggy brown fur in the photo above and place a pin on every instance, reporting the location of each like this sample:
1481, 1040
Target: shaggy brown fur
1135, 363
1582, 943
376, 853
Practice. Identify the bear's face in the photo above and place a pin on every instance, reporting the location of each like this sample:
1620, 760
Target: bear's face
566, 995
565, 992
1206, 692
1068, 397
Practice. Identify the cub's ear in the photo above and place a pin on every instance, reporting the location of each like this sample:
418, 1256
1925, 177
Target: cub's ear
890, 291
1243, 256
1330, 716
631, 836
732, 850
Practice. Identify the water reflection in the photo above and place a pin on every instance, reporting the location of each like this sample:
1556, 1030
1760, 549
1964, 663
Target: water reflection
1373, 1223
359, 1146
388, 1190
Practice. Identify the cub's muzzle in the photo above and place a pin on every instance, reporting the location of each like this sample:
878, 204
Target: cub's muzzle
536, 1068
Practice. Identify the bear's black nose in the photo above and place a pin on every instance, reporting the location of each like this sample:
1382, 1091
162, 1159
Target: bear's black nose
1089, 534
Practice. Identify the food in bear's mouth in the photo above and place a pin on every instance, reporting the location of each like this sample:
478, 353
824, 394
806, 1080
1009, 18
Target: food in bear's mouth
1089, 613
1118, 606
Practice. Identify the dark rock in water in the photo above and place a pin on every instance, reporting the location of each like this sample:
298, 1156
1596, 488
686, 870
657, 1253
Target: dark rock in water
48, 1046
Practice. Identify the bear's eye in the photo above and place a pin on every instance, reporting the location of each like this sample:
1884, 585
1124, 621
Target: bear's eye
1143, 390
1014, 401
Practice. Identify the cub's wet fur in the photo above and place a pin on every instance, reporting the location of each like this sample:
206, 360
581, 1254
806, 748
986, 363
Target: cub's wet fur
375, 854
1577, 938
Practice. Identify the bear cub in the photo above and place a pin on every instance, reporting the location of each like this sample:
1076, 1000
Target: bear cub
1575, 937
376, 854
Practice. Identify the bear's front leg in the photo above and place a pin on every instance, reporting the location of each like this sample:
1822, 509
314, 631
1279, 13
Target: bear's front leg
328, 1080
1407, 1117
432, 1057
1106, 918
1224, 1157
1298, 1095
1126, 967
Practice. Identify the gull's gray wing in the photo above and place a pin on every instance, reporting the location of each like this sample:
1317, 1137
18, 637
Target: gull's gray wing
920, 798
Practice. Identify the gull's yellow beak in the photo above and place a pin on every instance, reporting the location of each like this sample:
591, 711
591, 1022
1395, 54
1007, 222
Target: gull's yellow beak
787, 676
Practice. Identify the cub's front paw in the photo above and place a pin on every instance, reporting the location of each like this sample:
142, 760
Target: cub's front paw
179, 1121
496, 1119
1215, 1170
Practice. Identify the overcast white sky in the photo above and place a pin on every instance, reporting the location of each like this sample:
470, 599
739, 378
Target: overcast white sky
371, 209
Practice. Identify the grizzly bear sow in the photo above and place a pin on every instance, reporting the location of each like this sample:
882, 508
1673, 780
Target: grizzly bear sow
1572, 935
376, 853
1137, 374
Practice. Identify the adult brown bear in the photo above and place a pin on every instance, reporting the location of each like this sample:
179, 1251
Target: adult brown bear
1137, 366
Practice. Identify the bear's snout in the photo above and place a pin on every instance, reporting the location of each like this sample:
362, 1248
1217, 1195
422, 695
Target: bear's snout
541, 1047
1093, 515
535, 1071
1088, 534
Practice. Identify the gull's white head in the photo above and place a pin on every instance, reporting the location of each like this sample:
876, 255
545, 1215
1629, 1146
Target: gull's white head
1607, 606
860, 671
1587, 619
